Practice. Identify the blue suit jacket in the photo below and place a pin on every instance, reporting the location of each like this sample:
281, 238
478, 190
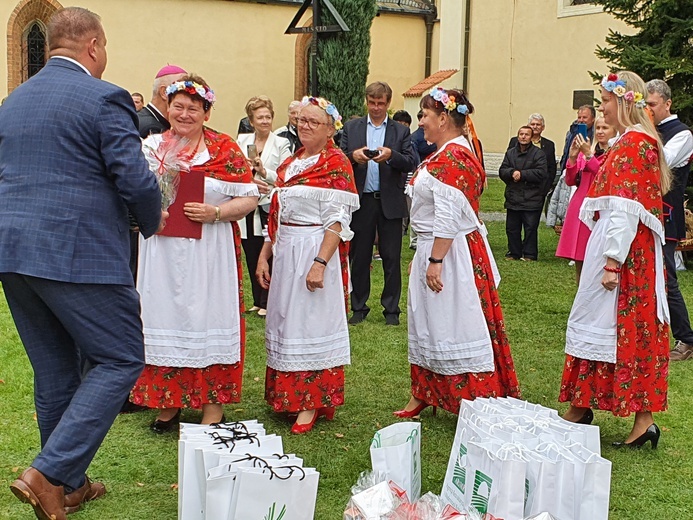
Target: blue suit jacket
71, 167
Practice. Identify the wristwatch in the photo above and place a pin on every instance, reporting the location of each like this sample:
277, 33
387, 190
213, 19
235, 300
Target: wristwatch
435, 260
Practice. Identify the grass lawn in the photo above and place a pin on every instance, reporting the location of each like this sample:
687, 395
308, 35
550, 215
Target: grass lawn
139, 468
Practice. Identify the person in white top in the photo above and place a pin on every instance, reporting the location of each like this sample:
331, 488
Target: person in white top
189, 288
458, 348
265, 152
307, 338
678, 148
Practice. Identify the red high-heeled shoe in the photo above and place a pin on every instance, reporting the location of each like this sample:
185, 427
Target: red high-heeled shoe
298, 429
327, 412
408, 414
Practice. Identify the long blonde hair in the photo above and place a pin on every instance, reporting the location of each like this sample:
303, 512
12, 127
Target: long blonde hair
629, 114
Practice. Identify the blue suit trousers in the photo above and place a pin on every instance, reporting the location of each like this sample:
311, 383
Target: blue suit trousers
61, 325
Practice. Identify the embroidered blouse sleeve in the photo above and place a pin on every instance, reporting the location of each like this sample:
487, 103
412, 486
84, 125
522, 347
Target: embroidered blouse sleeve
620, 233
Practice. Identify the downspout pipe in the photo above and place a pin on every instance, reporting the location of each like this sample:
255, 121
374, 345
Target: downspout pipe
430, 20
467, 30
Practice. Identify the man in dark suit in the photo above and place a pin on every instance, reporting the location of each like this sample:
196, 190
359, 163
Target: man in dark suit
678, 151
153, 118
70, 170
381, 154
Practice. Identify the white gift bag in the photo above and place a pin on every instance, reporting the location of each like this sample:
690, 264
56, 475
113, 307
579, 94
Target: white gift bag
396, 451
191, 483
221, 480
208, 457
552, 487
190, 502
221, 429
593, 479
495, 481
286, 493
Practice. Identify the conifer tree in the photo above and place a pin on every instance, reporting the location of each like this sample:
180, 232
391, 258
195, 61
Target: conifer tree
661, 46
343, 58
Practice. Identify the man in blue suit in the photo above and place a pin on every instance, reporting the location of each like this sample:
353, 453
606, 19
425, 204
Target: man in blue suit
70, 169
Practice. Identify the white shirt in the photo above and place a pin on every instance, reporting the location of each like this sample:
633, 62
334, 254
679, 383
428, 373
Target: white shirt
678, 151
73, 61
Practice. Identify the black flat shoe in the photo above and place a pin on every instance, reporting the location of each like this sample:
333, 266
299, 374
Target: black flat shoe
159, 426
587, 417
651, 434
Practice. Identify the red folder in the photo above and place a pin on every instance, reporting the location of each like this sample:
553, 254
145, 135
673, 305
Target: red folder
190, 189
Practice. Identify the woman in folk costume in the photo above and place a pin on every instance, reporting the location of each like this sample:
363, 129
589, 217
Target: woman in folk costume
190, 289
458, 348
307, 338
617, 341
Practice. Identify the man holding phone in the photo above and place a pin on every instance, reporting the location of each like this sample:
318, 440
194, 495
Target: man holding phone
381, 154
585, 116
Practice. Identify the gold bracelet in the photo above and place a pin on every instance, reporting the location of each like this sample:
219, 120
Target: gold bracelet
218, 212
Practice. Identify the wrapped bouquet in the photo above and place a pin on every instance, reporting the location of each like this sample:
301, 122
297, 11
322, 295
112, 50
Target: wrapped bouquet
167, 161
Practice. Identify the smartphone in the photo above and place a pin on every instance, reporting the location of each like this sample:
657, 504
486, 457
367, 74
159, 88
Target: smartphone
582, 130
252, 151
371, 153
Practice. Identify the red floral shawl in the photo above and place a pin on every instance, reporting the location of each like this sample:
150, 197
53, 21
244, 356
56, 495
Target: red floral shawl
456, 166
332, 171
226, 160
631, 172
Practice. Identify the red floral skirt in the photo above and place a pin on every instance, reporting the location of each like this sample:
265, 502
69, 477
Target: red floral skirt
446, 391
169, 387
637, 382
307, 390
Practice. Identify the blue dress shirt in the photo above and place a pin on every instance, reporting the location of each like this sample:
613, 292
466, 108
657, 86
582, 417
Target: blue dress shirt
375, 137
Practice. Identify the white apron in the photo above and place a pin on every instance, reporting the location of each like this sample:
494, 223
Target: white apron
448, 333
305, 330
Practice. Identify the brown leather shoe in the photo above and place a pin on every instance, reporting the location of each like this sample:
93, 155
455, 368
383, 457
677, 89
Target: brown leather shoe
681, 352
47, 500
89, 491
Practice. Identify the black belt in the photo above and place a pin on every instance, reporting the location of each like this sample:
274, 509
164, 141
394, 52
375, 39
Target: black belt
374, 194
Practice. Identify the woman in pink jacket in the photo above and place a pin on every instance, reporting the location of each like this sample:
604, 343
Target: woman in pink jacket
582, 166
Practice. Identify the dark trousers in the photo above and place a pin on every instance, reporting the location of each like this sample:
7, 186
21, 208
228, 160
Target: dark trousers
134, 253
515, 222
680, 323
252, 246
59, 323
365, 222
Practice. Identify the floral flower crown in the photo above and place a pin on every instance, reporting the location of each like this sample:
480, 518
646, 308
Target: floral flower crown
327, 107
611, 83
449, 103
192, 88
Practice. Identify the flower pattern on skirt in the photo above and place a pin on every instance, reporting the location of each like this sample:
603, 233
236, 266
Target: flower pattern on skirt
304, 390
172, 387
637, 382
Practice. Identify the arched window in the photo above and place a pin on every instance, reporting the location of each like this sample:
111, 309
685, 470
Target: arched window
26, 39
35, 50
